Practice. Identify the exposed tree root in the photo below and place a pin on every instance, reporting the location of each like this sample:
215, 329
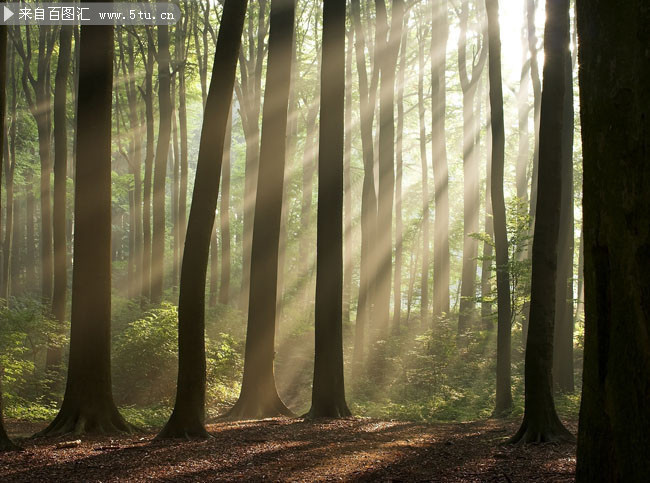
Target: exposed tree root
86, 421
7, 445
548, 433
249, 408
328, 412
184, 427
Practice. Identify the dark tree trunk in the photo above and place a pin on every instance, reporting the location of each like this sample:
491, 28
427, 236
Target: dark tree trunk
9, 255
441, 281
224, 217
30, 240
614, 428
54, 354
488, 248
188, 417
88, 405
5, 442
541, 423
471, 200
328, 391
160, 172
503, 391
259, 397
563, 337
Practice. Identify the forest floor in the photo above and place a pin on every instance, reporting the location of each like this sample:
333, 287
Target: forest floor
295, 450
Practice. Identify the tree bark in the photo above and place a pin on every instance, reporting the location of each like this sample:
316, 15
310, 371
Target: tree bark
328, 391
614, 427
188, 417
88, 405
503, 391
541, 423
224, 216
441, 273
160, 172
424, 283
259, 397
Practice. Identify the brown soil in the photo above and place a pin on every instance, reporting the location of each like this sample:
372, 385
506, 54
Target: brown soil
295, 450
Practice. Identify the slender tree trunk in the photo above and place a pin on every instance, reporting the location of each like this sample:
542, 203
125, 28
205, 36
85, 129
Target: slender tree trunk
424, 284
488, 248
188, 417
441, 273
214, 267
347, 189
9, 258
30, 240
54, 354
328, 392
224, 217
503, 390
148, 173
175, 189
88, 405
541, 423
259, 397
399, 165
160, 172
471, 200
614, 427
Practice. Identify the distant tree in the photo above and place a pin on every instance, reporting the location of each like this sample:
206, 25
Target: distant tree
160, 163
259, 397
367, 101
541, 422
188, 417
54, 353
88, 405
469, 83
441, 274
503, 390
224, 217
614, 427
388, 48
328, 390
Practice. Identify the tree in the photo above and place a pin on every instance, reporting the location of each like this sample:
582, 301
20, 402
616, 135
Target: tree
614, 427
188, 417
160, 171
54, 354
439, 36
328, 391
470, 171
259, 397
541, 423
5, 442
387, 50
88, 405
367, 95
503, 393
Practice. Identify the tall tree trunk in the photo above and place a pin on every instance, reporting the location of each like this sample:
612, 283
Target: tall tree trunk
614, 427
348, 256
441, 280
503, 391
188, 417
54, 353
563, 337
29, 240
541, 423
471, 200
9, 258
328, 391
160, 172
148, 173
399, 166
488, 248
5, 442
367, 271
424, 283
88, 405
224, 216
259, 397
214, 267
175, 189
531, 6
389, 49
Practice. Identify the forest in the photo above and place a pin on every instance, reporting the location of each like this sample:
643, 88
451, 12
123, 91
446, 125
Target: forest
353, 240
